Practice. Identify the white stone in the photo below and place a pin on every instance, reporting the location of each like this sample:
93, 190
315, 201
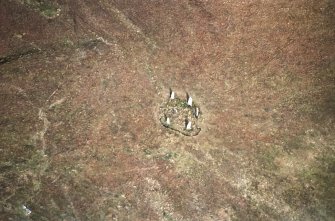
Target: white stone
189, 101
26, 211
197, 112
189, 125
172, 95
168, 121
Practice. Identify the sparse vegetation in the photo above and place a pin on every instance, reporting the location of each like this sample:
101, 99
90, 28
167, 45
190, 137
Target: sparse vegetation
169, 156
314, 190
48, 9
83, 96
267, 158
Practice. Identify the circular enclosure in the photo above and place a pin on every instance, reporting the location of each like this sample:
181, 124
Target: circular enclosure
181, 115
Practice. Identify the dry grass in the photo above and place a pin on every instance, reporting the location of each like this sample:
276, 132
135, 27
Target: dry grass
79, 122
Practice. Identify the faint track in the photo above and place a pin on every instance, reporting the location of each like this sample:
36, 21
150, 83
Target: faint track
17, 55
129, 24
